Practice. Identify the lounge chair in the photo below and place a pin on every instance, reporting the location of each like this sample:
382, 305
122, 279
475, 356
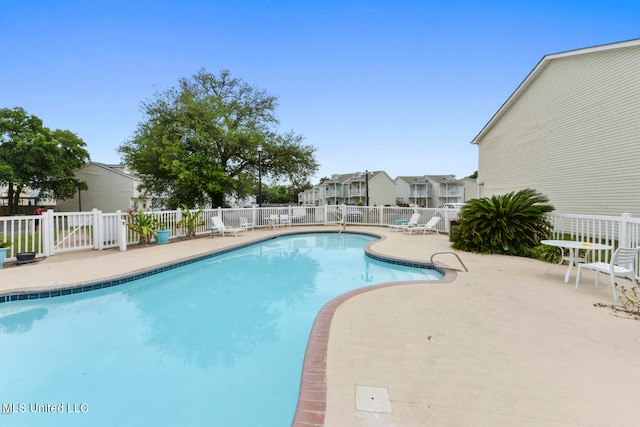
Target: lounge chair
623, 263
219, 227
413, 222
430, 226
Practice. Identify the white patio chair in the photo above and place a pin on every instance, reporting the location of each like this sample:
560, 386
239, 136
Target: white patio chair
244, 223
429, 227
213, 229
413, 221
623, 264
274, 221
285, 221
219, 226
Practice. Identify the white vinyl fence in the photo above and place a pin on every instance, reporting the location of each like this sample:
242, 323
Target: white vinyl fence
616, 231
71, 231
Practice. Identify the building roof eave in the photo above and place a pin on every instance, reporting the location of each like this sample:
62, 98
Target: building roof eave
540, 66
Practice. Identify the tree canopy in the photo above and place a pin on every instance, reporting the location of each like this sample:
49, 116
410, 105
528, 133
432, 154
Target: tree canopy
278, 193
32, 156
198, 142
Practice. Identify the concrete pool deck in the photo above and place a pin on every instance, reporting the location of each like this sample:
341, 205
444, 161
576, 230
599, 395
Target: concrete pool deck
501, 345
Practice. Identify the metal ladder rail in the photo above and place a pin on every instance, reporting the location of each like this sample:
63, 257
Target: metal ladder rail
449, 252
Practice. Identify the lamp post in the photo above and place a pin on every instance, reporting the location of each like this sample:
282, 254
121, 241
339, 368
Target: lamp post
79, 196
366, 186
260, 176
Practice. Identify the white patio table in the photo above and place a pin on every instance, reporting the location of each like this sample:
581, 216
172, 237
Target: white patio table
573, 247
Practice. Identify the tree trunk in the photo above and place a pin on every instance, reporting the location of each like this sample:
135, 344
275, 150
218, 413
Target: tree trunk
16, 199
217, 200
10, 199
13, 199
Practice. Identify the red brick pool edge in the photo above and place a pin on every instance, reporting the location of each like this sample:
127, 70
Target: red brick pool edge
312, 399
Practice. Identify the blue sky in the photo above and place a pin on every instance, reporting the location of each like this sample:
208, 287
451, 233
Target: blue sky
400, 86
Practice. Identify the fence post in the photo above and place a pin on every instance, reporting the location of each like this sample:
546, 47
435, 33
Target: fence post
254, 216
98, 232
46, 228
122, 234
624, 231
113, 228
447, 223
178, 219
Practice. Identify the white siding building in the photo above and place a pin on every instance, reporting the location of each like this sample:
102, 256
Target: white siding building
429, 191
351, 189
571, 131
413, 191
470, 189
110, 188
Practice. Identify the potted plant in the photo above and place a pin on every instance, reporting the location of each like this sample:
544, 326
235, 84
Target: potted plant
143, 224
4, 247
190, 220
162, 232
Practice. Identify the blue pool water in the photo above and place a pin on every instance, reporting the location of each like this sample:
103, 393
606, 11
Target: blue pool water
219, 342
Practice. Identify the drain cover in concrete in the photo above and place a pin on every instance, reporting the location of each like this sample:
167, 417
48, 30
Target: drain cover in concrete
374, 399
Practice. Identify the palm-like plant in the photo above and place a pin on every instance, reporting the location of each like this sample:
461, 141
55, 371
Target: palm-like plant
511, 224
143, 224
190, 220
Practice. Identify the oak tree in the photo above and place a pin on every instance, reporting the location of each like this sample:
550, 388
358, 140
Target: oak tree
198, 142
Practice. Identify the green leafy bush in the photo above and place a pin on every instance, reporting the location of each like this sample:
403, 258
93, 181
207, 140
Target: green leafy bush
547, 253
510, 224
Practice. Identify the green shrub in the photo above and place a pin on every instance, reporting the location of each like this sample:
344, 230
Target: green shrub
510, 224
547, 253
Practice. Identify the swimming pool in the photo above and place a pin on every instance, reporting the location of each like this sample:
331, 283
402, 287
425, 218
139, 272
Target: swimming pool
217, 342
